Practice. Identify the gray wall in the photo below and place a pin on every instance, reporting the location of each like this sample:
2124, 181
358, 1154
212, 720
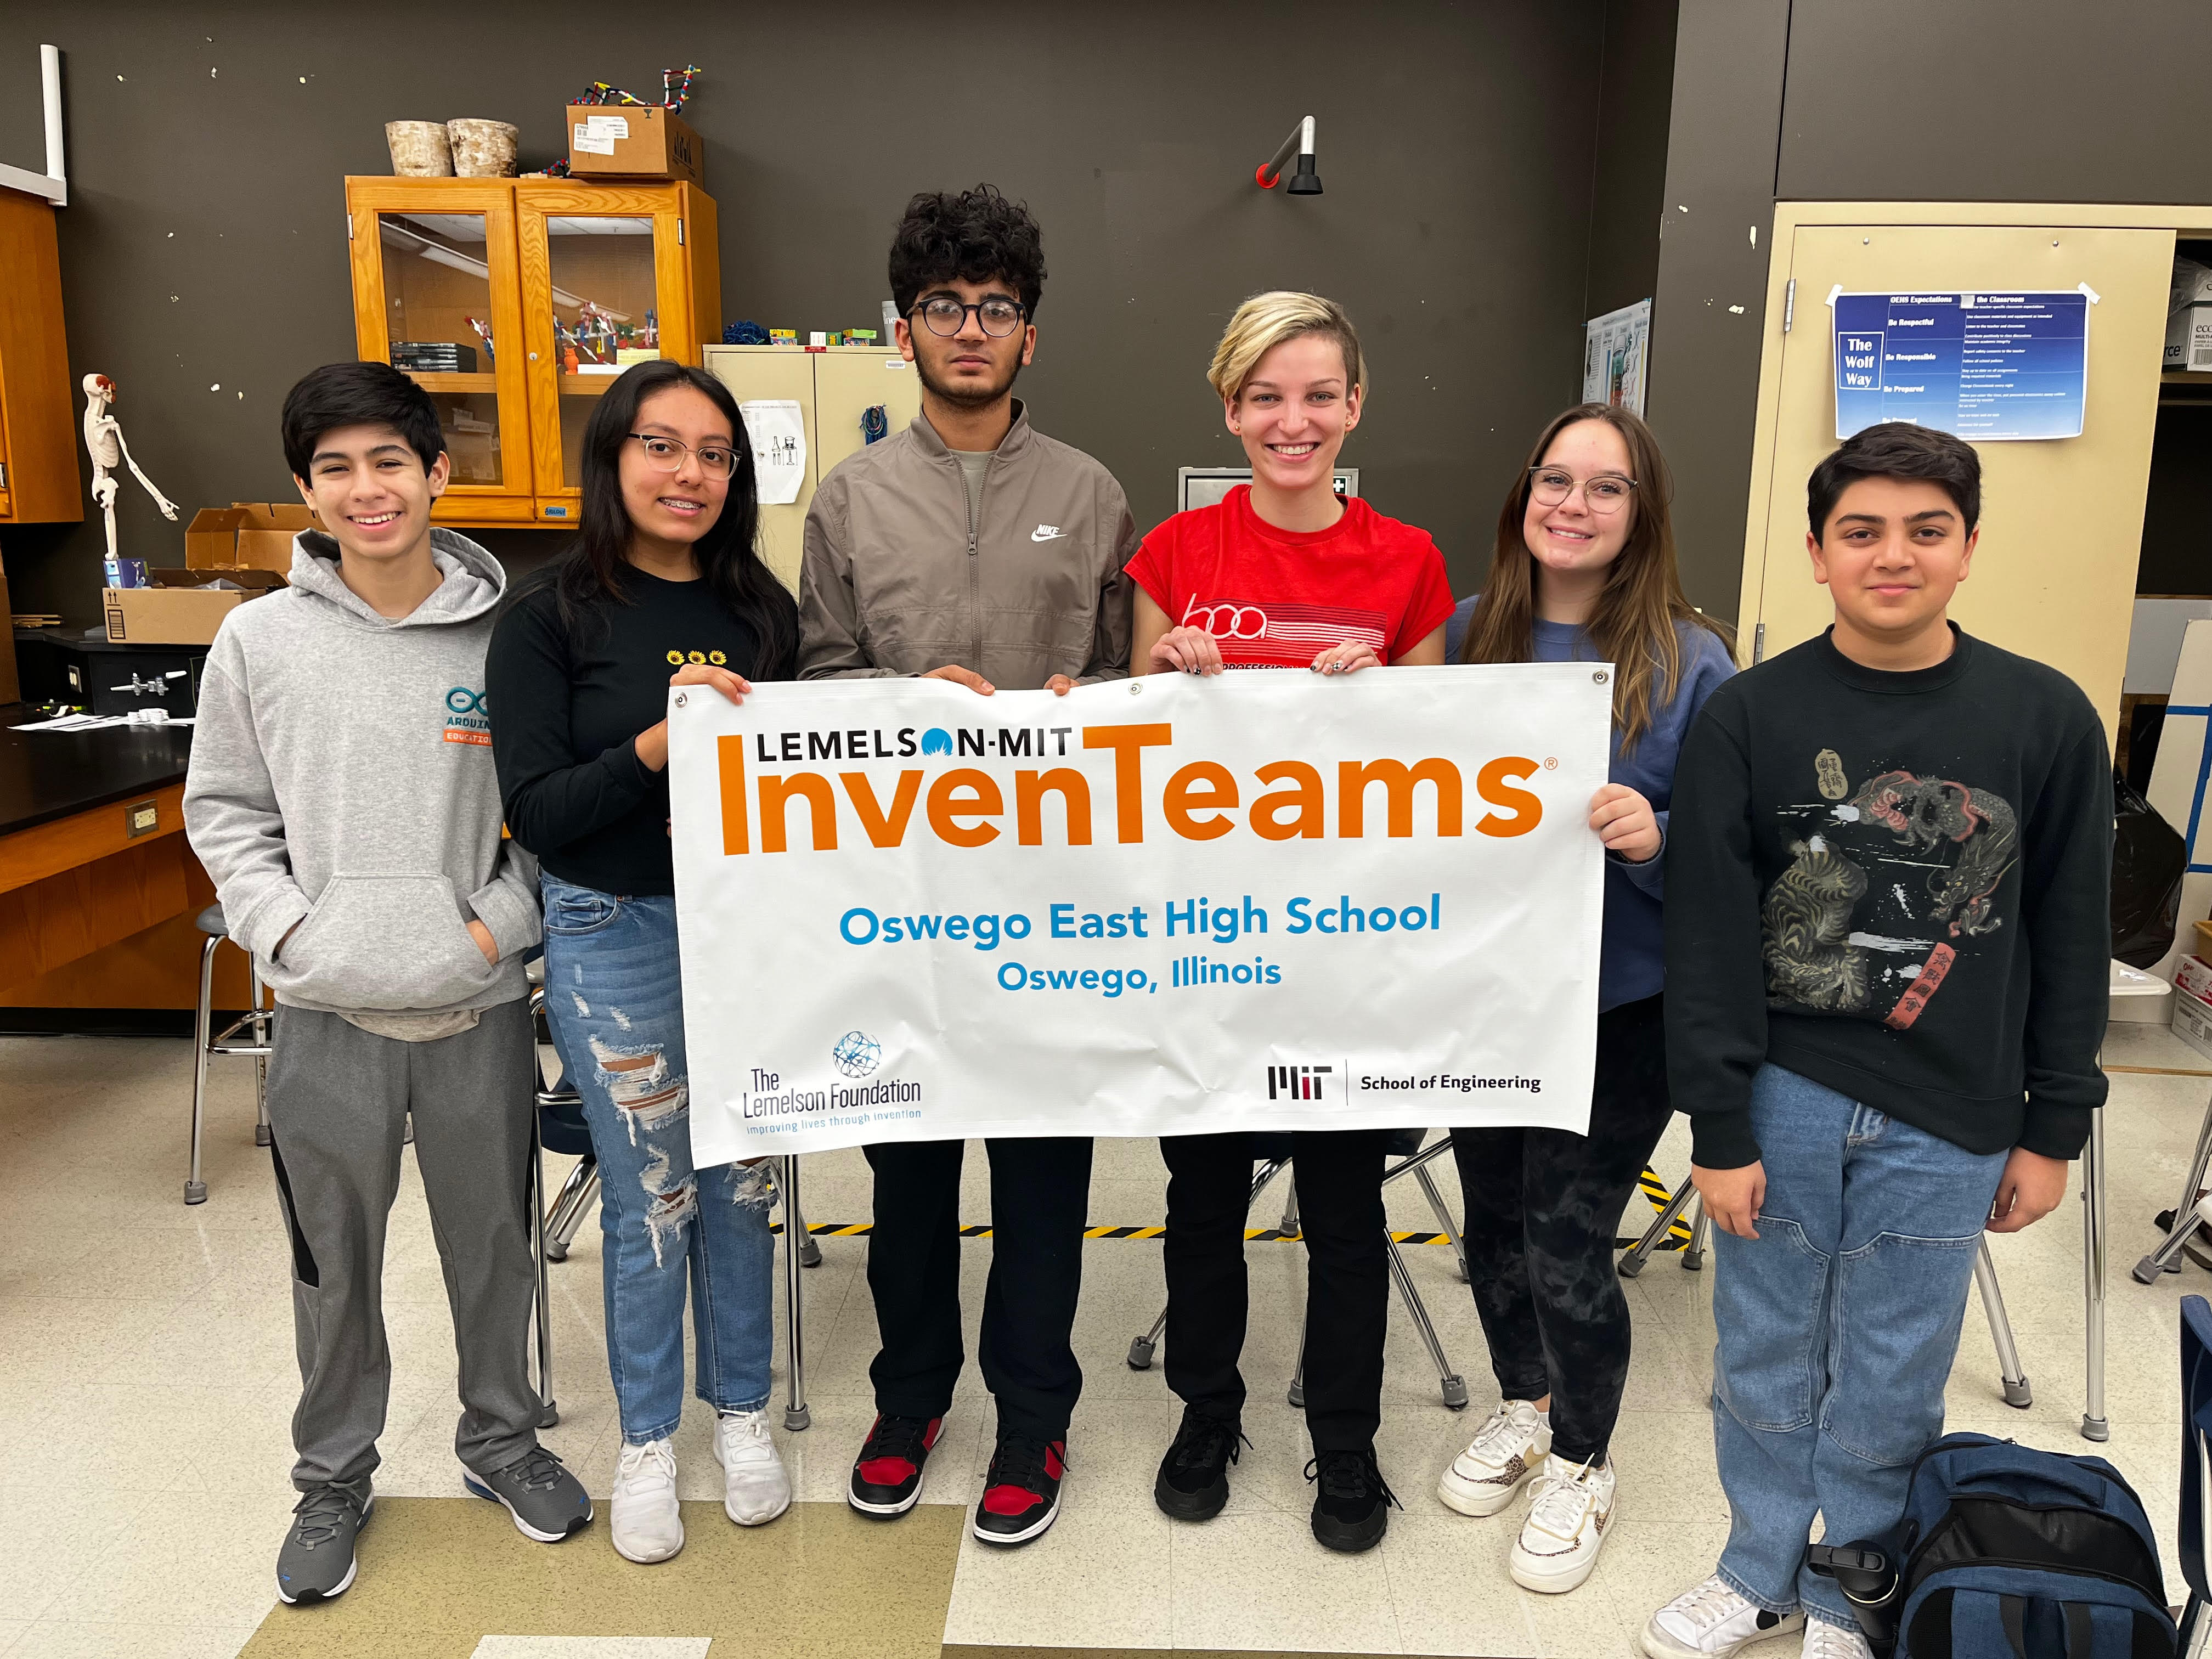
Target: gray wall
2029, 100
205, 245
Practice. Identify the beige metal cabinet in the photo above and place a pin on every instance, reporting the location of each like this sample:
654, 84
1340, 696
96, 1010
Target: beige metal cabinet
833, 387
2054, 577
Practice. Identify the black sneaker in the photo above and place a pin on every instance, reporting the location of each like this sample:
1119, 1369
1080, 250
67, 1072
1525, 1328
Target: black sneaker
1352, 1509
1193, 1479
317, 1560
887, 1474
547, 1503
1021, 1494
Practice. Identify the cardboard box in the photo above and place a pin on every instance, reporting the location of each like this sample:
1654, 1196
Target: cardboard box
2189, 338
2192, 1024
633, 141
183, 607
2204, 940
2192, 977
247, 535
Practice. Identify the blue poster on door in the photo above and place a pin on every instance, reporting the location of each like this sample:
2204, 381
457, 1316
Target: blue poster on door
1988, 367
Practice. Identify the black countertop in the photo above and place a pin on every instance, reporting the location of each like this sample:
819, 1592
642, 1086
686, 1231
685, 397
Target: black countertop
45, 775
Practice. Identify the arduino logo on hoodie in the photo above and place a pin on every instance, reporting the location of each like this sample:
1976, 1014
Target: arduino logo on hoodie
467, 719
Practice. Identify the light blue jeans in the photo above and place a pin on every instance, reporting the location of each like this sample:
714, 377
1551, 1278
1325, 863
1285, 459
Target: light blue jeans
1837, 1327
614, 1000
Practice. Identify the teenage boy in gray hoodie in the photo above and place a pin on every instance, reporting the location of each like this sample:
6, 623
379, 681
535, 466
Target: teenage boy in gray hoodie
342, 796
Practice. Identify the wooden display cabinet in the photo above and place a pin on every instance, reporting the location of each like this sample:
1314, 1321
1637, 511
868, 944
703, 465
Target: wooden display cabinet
39, 479
567, 279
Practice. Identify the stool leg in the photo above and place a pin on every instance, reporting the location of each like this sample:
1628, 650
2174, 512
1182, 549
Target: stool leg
1142, 1348
195, 1189
568, 1207
550, 1412
809, 1252
2094, 1425
2185, 1213
1693, 1253
1632, 1263
1453, 1384
795, 1414
263, 1025
1444, 1221
2016, 1391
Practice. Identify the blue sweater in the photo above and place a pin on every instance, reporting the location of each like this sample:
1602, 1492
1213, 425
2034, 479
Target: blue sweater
1632, 964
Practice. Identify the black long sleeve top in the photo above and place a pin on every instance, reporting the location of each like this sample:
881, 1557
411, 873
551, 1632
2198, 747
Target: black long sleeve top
1898, 886
567, 707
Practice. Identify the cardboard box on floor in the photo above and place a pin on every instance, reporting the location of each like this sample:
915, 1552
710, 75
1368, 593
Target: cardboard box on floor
247, 535
633, 141
182, 607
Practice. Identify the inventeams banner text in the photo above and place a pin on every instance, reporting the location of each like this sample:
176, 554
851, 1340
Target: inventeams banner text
1150, 907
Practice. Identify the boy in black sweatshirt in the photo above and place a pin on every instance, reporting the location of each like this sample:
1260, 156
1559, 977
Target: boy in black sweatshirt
1888, 886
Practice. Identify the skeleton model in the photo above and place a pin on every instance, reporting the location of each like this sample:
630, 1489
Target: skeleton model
103, 438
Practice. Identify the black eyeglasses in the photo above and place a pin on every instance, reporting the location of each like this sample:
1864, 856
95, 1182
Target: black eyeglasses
946, 317
666, 455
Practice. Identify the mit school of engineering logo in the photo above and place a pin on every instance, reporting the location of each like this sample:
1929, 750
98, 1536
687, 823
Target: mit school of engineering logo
857, 1054
1295, 1082
468, 719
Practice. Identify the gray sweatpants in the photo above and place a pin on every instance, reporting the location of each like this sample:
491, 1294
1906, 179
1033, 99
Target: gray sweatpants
339, 1099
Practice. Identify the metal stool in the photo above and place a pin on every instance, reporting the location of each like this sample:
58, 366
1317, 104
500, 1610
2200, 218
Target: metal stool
254, 1046
1450, 1382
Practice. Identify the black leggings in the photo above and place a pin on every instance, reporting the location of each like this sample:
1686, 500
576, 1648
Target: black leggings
1542, 1207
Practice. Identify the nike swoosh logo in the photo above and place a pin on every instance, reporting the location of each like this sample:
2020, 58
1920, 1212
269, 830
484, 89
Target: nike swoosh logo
1045, 532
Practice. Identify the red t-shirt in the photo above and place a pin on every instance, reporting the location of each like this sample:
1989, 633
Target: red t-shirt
1277, 598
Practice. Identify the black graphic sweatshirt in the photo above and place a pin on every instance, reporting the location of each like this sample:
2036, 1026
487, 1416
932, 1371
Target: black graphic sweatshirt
1897, 885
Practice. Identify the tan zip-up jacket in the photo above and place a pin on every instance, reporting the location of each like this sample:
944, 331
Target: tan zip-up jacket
895, 580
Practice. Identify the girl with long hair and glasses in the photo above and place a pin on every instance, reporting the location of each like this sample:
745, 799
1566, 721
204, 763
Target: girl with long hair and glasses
1283, 574
1583, 570
663, 587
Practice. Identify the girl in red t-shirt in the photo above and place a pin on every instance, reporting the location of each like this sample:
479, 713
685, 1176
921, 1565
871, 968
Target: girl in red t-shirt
1284, 574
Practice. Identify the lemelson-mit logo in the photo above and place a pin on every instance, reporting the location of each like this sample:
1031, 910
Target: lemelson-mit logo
467, 718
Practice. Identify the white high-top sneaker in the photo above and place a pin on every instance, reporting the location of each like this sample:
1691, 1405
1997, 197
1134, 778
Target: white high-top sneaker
1710, 1621
645, 1524
755, 1488
1506, 1450
1559, 1542
1827, 1641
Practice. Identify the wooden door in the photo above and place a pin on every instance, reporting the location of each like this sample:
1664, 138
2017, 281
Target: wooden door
2061, 519
434, 272
609, 278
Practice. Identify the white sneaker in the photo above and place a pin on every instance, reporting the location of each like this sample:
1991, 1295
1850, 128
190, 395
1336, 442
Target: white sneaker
1505, 1451
754, 1487
1559, 1542
1827, 1641
645, 1525
1710, 1621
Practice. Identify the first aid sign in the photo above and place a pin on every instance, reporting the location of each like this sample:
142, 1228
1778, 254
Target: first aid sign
1160, 906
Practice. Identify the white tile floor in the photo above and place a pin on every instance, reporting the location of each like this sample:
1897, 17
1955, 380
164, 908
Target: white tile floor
146, 1384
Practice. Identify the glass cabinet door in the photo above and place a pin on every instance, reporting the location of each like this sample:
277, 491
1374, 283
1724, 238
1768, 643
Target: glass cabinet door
435, 296
605, 285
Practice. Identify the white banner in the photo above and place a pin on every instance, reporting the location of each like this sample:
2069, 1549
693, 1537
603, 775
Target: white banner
1260, 900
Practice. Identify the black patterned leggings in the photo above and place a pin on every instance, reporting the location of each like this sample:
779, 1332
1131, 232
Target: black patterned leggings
1542, 1207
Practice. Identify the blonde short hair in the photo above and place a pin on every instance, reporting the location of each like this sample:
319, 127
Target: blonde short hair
1265, 321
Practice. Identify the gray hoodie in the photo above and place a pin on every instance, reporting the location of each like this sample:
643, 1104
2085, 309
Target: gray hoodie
342, 779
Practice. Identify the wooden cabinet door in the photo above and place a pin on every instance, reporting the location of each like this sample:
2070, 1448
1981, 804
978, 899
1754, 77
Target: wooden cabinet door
435, 268
608, 278
2054, 577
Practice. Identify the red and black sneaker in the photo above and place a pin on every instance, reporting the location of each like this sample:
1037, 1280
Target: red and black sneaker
887, 1474
1021, 1494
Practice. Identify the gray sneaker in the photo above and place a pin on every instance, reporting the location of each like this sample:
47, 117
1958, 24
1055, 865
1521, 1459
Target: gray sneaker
547, 1502
317, 1561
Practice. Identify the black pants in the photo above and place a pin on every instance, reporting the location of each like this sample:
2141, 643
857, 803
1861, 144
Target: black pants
1339, 1186
1542, 1207
1040, 1205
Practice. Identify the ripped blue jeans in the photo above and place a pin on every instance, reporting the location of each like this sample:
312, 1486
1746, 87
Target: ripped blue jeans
614, 1000
1837, 1327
